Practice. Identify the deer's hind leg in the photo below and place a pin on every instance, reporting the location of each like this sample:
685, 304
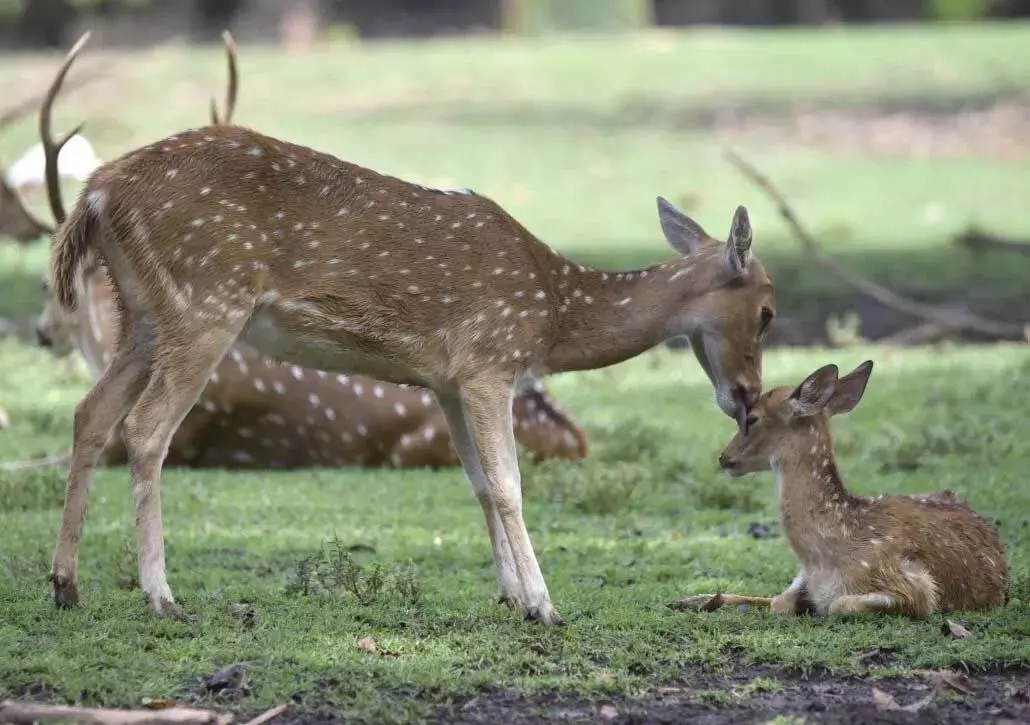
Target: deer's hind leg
183, 365
96, 417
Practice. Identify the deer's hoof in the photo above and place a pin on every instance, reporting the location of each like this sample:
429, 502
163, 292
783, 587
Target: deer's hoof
546, 615
66, 591
164, 608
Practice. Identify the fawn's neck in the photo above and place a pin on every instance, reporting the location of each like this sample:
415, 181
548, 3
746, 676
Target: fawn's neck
604, 318
814, 505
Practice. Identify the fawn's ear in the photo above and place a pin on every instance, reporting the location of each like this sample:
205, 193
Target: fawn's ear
850, 389
814, 392
681, 232
738, 244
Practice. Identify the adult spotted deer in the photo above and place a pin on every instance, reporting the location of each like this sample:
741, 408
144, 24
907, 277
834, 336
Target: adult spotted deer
909, 555
222, 234
257, 413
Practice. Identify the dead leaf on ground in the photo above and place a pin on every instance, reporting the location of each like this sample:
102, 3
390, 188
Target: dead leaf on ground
609, 712
244, 612
945, 679
700, 603
954, 629
886, 701
607, 678
368, 644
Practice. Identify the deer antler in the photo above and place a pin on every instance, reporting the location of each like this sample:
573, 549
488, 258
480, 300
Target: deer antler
52, 148
16, 220
230, 94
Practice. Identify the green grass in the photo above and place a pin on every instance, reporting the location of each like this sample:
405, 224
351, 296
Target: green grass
647, 519
544, 127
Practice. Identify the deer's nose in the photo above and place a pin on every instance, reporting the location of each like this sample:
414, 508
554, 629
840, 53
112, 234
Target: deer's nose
724, 461
42, 339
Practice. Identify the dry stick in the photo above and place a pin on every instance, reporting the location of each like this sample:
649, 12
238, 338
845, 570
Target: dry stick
269, 714
19, 713
887, 298
978, 240
55, 460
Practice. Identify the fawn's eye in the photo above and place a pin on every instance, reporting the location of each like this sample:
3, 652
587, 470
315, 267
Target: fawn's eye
751, 421
767, 317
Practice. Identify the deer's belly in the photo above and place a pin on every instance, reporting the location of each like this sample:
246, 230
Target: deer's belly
304, 338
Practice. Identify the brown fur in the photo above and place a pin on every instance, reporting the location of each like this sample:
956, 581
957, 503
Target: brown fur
223, 234
256, 413
911, 555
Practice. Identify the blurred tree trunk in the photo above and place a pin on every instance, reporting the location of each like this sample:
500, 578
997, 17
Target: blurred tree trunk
44, 24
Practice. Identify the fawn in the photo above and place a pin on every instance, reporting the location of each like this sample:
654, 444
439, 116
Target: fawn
221, 234
906, 554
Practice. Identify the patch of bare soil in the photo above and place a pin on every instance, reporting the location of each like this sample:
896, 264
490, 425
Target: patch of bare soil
986, 699
998, 698
1000, 132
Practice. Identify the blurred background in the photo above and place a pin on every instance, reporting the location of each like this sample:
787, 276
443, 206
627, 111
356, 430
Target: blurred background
898, 130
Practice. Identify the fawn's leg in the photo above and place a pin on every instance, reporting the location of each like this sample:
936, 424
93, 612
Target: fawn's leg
861, 603
96, 416
483, 412
178, 379
794, 598
724, 600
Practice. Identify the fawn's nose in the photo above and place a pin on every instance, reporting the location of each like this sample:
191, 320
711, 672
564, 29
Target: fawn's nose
43, 339
724, 461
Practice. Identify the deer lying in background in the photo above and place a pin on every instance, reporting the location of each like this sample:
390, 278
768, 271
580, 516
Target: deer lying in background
222, 234
256, 413
909, 555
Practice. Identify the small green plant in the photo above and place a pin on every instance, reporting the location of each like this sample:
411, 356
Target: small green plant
333, 572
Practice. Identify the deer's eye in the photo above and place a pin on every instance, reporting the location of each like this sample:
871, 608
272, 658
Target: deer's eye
751, 421
767, 317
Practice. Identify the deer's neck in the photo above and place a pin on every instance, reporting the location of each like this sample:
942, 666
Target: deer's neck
604, 318
815, 508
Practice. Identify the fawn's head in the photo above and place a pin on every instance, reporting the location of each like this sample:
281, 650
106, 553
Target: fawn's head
727, 317
788, 416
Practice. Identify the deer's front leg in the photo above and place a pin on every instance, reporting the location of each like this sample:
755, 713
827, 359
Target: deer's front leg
480, 420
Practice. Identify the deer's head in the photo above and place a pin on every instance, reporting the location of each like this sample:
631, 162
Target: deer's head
787, 416
725, 318
16, 221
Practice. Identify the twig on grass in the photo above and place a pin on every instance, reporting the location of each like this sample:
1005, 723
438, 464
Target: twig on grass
57, 459
25, 713
269, 714
929, 313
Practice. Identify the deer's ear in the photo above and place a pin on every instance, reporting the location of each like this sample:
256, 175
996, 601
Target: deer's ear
814, 392
681, 232
738, 245
850, 389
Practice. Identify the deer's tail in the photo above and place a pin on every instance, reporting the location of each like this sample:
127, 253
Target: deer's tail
74, 244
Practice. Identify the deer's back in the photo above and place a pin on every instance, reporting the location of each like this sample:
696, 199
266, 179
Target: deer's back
958, 547
235, 219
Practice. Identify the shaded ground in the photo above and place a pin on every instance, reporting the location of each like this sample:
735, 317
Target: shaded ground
751, 694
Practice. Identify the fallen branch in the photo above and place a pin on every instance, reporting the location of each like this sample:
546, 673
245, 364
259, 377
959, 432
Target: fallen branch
269, 715
45, 462
980, 241
19, 713
929, 313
